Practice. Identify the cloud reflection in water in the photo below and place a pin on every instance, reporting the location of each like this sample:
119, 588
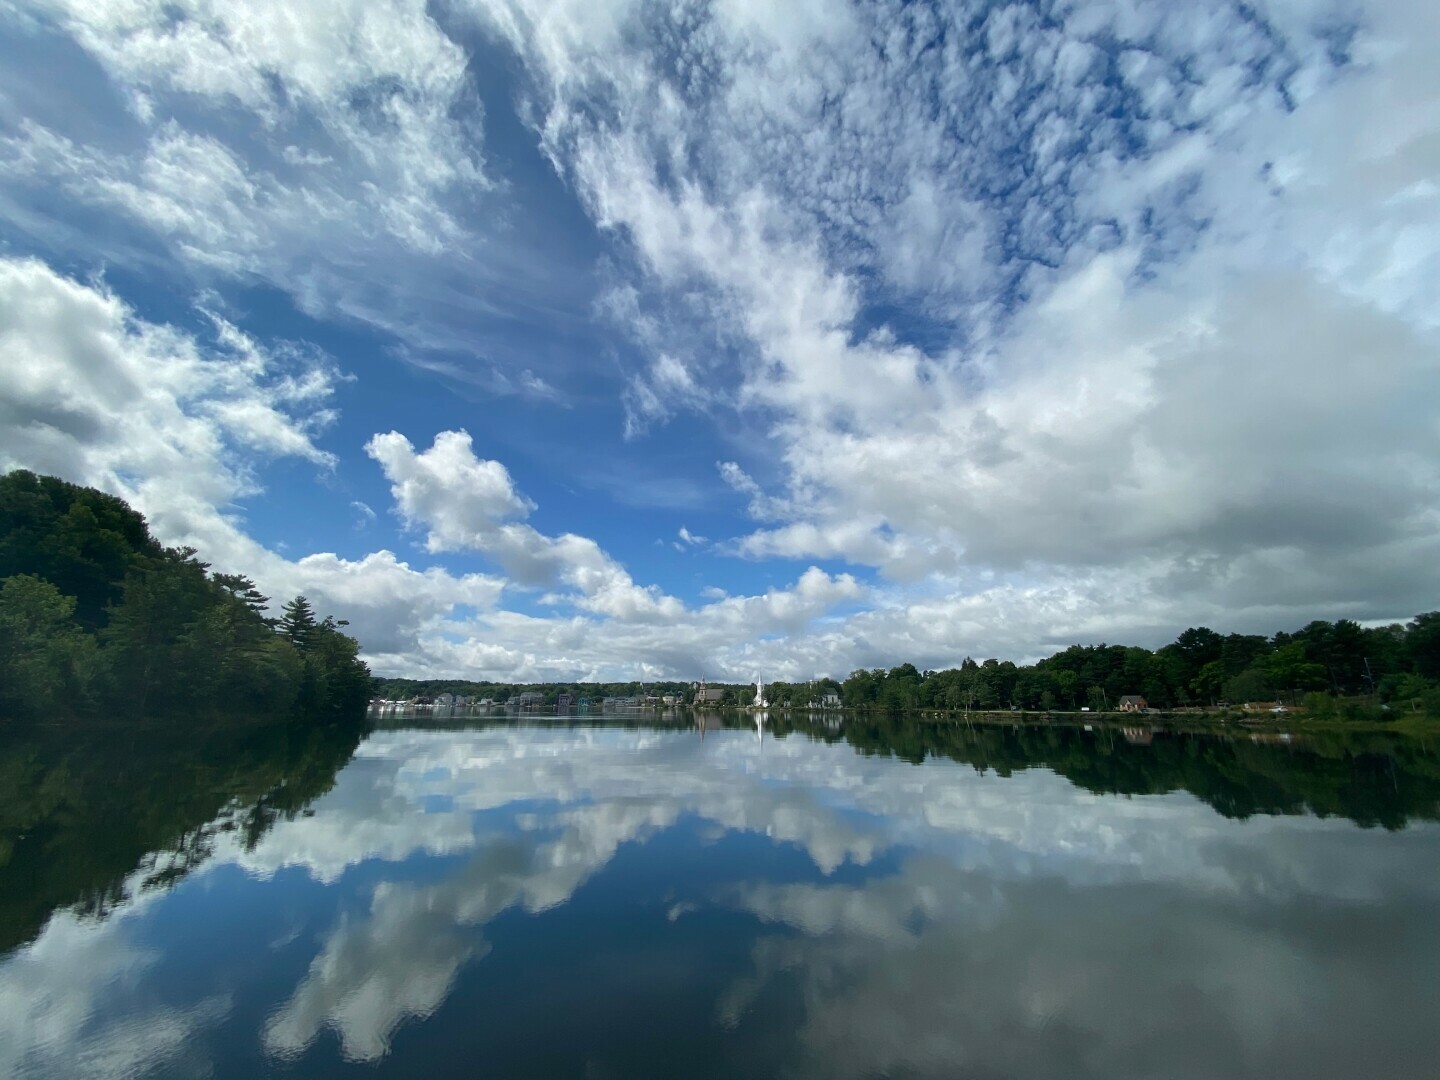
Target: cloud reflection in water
930, 919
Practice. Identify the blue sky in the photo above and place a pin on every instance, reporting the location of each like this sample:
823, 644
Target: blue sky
605, 339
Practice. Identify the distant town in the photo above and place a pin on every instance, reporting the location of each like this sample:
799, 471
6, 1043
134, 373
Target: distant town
1323, 670
822, 694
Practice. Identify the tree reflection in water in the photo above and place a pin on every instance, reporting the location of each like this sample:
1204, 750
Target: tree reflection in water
81, 810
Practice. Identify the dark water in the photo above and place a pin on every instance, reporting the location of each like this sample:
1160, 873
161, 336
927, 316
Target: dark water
578, 900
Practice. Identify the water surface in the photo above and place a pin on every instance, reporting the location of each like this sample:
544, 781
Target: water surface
884, 898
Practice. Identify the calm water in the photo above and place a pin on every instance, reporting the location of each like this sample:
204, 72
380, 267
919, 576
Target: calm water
579, 900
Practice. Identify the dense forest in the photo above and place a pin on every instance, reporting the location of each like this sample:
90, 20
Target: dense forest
1338, 669
98, 619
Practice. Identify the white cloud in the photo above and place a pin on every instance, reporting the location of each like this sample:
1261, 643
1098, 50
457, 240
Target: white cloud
1087, 324
992, 903
210, 142
463, 502
95, 394
1181, 345
178, 425
381, 79
653, 395
456, 496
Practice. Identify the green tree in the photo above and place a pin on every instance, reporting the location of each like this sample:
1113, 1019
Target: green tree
297, 624
47, 664
900, 688
1422, 645
1239, 651
1209, 684
95, 609
1290, 669
1255, 683
160, 599
80, 540
243, 589
862, 689
1198, 646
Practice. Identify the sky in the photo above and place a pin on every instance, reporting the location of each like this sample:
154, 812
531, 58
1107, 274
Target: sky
589, 339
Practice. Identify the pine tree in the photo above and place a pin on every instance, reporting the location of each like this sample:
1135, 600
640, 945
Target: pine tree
244, 590
297, 624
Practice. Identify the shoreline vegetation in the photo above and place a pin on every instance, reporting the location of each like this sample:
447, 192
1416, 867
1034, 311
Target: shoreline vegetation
1336, 672
98, 620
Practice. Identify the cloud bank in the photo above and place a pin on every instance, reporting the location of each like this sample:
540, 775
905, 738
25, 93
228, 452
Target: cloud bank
1010, 326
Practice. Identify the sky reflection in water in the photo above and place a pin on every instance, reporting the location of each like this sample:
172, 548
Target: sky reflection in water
597, 902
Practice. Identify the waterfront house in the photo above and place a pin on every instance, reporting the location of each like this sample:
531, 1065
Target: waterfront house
1132, 703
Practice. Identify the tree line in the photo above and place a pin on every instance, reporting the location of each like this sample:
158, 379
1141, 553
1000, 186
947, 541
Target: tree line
1339, 667
97, 618
1333, 668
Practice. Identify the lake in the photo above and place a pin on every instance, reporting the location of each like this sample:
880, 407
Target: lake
885, 897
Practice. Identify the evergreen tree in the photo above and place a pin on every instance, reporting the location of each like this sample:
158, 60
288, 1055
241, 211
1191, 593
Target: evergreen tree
297, 624
243, 589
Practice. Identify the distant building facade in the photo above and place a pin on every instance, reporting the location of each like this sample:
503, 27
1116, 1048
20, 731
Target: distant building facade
708, 695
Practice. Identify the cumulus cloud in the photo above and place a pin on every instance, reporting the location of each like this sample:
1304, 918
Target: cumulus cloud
95, 394
463, 502
180, 424
1068, 321
458, 497
1166, 322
